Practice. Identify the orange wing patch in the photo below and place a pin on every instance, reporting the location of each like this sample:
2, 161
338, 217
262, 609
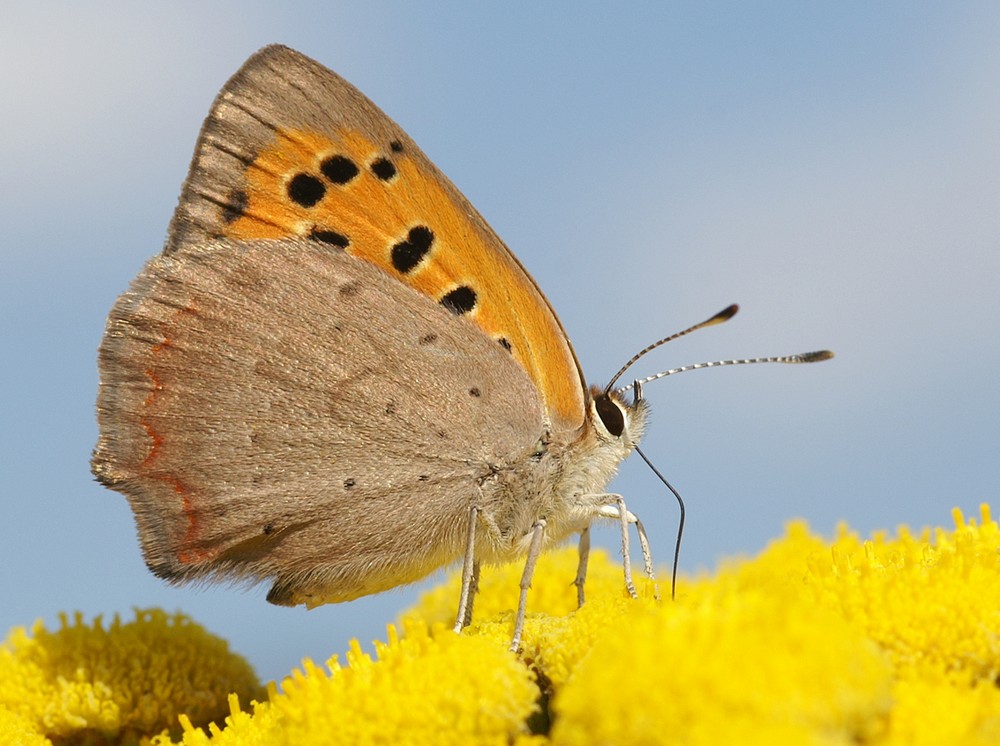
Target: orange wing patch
378, 205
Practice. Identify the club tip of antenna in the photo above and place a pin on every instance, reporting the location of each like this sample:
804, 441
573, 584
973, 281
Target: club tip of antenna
728, 312
815, 357
725, 314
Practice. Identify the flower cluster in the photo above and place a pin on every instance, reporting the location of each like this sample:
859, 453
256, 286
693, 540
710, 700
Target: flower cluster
91, 683
889, 640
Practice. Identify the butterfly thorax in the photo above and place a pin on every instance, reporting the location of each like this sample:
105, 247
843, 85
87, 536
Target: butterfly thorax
563, 482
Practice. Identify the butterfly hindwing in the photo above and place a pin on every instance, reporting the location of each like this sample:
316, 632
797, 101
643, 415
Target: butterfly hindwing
248, 413
291, 149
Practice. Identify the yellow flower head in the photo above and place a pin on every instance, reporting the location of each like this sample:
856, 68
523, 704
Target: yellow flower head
421, 689
121, 682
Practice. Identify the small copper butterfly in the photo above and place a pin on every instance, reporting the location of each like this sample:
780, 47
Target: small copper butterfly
336, 377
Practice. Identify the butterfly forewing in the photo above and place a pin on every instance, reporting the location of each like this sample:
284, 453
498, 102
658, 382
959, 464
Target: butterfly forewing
291, 149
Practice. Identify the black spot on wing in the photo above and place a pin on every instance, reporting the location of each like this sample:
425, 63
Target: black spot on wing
305, 189
383, 169
459, 301
330, 237
409, 252
338, 169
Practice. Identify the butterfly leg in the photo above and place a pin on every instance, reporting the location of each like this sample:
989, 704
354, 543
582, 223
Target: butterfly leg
581, 567
534, 551
624, 515
614, 508
470, 575
647, 557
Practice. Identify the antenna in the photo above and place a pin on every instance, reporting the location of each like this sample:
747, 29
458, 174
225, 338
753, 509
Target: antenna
802, 357
722, 316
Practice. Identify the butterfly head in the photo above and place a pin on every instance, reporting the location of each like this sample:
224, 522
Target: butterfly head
617, 422
611, 430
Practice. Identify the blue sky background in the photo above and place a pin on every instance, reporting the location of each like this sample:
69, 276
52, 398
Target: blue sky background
833, 168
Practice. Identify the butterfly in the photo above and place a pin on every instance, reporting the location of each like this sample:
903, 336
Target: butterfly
336, 378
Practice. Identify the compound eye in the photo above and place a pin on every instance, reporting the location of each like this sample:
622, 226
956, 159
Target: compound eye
610, 414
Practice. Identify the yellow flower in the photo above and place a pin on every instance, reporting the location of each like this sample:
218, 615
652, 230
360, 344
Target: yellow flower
932, 605
743, 668
891, 640
422, 689
556, 633
810, 642
119, 683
